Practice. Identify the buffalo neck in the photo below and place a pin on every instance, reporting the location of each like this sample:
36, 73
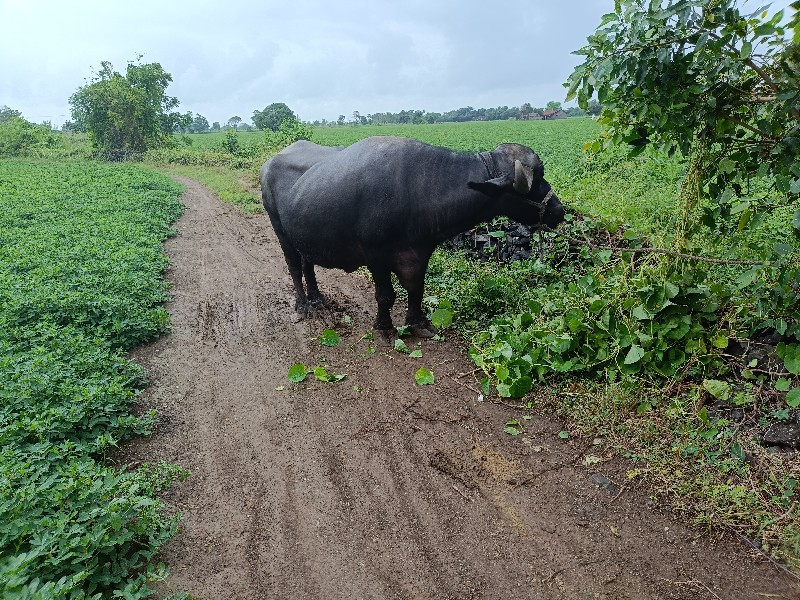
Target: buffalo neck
455, 206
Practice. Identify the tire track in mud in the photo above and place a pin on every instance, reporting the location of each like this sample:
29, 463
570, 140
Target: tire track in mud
318, 490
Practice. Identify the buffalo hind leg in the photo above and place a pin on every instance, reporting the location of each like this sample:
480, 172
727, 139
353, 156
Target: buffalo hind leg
385, 296
295, 263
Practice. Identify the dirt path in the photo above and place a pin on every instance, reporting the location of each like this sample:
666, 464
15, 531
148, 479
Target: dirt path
375, 487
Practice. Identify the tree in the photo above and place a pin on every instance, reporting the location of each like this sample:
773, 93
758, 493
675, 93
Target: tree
272, 116
699, 77
233, 122
126, 114
199, 124
215, 126
7, 113
182, 123
553, 105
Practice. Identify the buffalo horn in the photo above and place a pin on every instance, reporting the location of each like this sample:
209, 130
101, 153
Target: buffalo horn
522, 178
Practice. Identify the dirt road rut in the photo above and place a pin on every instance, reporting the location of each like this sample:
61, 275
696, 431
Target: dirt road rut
376, 487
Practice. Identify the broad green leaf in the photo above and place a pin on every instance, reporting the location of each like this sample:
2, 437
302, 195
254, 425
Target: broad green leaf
321, 374
793, 397
783, 384
745, 218
297, 373
635, 354
501, 372
790, 353
400, 346
737, 451
416, 353
721, 390
329, 338
746, 51
726, 165
423, 376
521, 386
442, 317
720, 341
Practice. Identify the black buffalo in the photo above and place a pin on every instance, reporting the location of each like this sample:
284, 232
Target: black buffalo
386, 202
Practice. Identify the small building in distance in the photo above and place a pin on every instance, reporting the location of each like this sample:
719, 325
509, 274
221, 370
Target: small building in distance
549, 115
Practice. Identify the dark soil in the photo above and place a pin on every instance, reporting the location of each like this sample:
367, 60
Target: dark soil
376, 487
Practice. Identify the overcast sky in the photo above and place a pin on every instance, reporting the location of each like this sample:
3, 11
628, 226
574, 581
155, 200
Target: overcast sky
321, 57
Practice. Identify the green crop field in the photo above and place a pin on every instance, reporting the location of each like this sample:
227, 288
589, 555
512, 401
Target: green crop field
80, 284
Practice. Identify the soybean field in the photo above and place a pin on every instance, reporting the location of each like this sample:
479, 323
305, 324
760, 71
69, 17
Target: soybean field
81, 268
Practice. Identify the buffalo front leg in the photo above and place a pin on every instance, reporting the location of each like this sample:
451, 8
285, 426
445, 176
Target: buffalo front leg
411, 274
315, 297
385, 296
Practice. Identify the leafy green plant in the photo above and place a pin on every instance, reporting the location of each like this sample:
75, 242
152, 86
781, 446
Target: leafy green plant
329, 338
401, 346
602, 321
126, 115
297, 373
321, 374
80, 284
442, 316
18, 137
738, 72
423, 376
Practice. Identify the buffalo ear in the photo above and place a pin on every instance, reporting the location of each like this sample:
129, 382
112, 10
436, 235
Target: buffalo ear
492, 187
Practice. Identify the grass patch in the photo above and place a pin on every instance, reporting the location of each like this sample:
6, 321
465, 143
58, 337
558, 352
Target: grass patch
707, 469
234, 186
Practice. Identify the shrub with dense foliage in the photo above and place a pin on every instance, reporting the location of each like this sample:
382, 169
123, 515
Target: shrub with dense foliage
18, 137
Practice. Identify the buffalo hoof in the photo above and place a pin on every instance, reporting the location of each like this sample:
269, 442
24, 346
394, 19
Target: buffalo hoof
384, 337
424, 330
317, 301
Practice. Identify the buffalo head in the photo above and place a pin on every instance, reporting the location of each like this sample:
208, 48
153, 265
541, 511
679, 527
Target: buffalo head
516, 178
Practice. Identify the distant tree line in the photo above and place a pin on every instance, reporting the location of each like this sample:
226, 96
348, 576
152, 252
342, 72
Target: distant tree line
128, 113
468, 113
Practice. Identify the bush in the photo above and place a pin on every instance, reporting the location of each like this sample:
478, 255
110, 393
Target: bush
18, 137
